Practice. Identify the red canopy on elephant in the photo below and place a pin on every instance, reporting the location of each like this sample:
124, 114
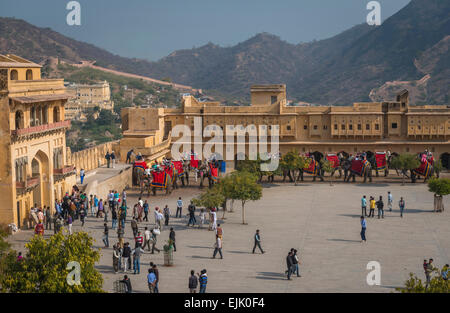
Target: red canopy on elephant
194, 161
168, 170
424, 169
380, 157
312, 168
179, 167
140, 164
359, 166
159, 179
333, 159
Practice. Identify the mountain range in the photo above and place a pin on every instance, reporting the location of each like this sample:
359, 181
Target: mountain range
409, 50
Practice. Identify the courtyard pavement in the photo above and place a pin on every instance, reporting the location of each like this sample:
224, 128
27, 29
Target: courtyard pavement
319, 220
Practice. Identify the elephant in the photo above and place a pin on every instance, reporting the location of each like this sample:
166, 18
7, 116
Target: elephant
351, 174
316, 156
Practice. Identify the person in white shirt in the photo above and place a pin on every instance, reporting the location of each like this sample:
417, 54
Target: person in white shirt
390, 200
147, 236
214, 220
179, 206
218, 247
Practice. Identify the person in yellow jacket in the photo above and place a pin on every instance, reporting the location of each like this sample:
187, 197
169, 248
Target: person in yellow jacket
372, 207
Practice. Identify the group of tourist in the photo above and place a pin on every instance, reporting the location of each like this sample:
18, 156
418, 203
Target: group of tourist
429, 269
292, 263
372, 203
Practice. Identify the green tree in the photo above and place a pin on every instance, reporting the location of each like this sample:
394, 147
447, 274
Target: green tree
405, 162
327, 167
440, 187
415, 285
244, 188
43, 268
211, 198
293, 162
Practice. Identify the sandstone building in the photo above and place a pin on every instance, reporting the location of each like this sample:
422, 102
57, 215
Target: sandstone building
365, 126
84, 97
33, 166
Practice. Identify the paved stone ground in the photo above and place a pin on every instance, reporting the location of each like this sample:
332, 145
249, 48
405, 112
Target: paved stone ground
320, 220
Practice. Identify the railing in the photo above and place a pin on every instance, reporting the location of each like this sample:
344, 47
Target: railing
29, 183
64, 170
40, 128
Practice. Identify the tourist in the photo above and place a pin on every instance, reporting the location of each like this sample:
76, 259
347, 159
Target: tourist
113, 159
116, 256
151, 280
154, 240
219, 231
401, 205
39, 228
137, 259
123, 215
390, 200
193, 283
124, 197
134, 226
296, 264
202, 217
257, 238
218, 247
166, 215
126, 253
116, 199
203, 280
127, 283
444, 272
172, 238
158, 218
213, 224
156, 271
120, 234
364, 206
372, 207
105, 235
179, 206
82, 214
48, 219
147, 238
191, 210
380, 207
363, 229
138, 240
82, 176
129, 153
69, 223
289, 265
146, 211
428, 271
108, 158
100, 208
114, 219
19, 257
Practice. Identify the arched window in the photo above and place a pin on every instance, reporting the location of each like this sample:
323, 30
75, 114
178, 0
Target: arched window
19, 119
55, 114
29, 75
14, 75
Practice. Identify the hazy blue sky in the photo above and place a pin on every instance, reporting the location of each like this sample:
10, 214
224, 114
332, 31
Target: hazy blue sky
152, 29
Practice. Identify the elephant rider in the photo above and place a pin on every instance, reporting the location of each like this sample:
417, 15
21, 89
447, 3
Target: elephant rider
139, 156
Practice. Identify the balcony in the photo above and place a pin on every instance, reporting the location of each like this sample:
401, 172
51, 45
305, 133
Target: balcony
40, 129
61, 173
27, 185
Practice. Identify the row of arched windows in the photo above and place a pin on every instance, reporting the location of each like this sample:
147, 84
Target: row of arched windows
38, 116
14, 75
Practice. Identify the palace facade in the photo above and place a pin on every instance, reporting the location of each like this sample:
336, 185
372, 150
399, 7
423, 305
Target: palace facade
33, 166
366, 126
85, 97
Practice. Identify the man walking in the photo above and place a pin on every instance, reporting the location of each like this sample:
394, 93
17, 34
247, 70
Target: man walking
105, 235
179, 206
147, 235
82, 176
364, 206
218, 247
390, 200
151, 280
129, 153
146, 211
289, 265
372, 207
48, 219
172, 237
108, 158
126, 253
137, 259
401, 205
113, 159
257, 242
166, 211
380, 207
363, 229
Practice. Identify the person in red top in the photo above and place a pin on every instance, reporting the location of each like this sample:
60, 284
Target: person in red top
39, 229
139, 240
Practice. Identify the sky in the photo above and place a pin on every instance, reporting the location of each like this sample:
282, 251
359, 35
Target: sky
152, 29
